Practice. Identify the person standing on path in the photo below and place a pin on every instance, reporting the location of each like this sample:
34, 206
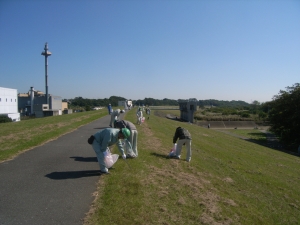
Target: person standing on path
105, 138
109, 109
133, 136
185, 138
114, 116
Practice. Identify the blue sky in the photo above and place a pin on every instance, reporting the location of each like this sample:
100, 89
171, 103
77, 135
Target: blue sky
179, 49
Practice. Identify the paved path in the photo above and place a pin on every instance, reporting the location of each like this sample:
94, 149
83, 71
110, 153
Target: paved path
52, 183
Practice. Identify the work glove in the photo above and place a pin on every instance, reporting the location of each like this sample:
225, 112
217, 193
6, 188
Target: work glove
124, 156
105, 153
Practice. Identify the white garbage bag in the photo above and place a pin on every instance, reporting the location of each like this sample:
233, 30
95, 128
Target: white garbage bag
173, 150
110, 159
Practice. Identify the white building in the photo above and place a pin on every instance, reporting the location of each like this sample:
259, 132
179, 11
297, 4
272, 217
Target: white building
126, 104
9, 103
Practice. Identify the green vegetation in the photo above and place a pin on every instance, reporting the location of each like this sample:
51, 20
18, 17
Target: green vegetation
85, 104
228, 181
285, 116
253, 134
20, 136
5, 119
227, 104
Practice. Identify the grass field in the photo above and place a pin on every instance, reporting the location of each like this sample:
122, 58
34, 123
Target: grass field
228, 181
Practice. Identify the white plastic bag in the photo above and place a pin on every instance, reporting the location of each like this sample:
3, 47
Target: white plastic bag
110, 159
173, 150
128, 148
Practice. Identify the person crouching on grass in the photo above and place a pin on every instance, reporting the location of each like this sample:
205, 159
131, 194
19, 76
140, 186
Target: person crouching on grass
185, 138
105, 138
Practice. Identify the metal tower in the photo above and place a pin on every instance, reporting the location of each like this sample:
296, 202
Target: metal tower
46, 53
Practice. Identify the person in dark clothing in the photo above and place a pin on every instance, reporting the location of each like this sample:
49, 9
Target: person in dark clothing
183, 137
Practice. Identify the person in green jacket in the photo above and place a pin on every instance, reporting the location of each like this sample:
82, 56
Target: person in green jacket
132, 151
106, 138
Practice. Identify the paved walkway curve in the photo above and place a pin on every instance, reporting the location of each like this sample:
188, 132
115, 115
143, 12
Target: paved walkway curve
52, 183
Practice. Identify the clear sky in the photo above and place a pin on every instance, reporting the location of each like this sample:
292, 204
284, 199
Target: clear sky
136, 49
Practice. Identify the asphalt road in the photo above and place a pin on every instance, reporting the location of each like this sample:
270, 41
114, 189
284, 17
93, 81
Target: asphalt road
52, 183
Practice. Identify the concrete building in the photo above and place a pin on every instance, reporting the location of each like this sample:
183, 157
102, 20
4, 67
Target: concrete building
187, 109
9, 103
34, 103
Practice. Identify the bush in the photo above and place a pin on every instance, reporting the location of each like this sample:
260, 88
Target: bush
245, 115
5, 119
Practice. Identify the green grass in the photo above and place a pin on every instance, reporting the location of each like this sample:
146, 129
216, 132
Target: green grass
252, 134
20, 136
228, 181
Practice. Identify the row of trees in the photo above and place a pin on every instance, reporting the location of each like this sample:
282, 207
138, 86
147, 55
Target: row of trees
113, 100
217, 103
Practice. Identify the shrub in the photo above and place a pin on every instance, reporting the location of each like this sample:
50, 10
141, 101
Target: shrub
5, 119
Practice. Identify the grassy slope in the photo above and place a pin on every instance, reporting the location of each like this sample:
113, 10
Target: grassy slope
228, 181
18, 137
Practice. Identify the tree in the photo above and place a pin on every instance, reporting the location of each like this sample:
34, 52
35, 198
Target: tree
284, 116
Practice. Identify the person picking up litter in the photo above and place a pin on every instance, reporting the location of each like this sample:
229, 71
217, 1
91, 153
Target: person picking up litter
115, 116
105, 138
132, 152
185, 138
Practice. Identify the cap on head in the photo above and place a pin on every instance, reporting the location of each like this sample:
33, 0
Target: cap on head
126, 132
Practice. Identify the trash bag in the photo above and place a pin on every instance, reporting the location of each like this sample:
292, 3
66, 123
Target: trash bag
128, 148
110, 159
143, 119
173, 151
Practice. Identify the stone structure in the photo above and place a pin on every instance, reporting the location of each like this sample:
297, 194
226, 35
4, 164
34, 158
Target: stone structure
187, 109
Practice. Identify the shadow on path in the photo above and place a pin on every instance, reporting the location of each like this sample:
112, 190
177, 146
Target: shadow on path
100, 128
72, 174
84, 159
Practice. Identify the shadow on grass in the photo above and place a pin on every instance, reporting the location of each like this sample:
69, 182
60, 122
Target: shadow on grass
73, 174
160, 155
269, 140
84, 159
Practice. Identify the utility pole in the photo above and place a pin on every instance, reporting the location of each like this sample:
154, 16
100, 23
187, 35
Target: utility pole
46, 53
